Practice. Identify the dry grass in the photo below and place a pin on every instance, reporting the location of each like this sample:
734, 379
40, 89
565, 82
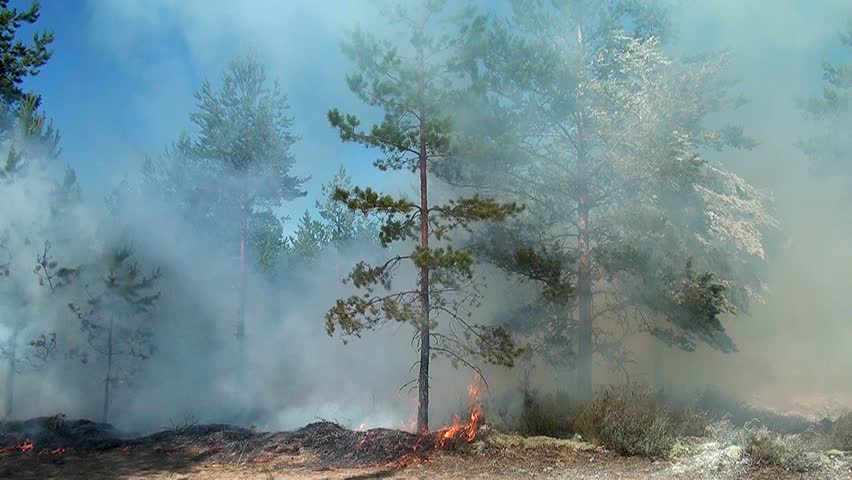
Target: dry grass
498, 456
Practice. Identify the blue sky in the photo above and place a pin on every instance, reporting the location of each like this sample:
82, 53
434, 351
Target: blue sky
119, 90
120, 83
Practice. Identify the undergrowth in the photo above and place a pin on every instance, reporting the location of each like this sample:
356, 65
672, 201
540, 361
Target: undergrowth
839, 434
628, 421
767, 448
634, 421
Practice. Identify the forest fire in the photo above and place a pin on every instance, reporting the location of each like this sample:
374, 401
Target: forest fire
465, 430
55, 451
26, 446
458, 431
29, 447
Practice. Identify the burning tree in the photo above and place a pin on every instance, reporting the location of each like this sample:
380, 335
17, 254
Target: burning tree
416, 134
601, 136
115, 320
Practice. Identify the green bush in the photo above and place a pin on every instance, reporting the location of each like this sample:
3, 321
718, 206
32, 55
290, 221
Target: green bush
771, 450
839, 435
628, 421
549, 416
690, 422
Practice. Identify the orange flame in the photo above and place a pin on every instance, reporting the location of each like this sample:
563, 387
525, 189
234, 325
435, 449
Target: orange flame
55, 451
27, 446
466, 430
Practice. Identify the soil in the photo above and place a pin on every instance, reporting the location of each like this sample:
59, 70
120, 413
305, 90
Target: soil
328, 451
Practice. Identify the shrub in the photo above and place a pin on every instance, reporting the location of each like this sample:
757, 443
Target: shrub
771, 450
628, 421
719, 405
690, 422
551, 416
839, 435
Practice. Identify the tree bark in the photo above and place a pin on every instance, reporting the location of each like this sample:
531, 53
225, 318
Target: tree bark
423, 376
584, 263
659, 377
584, 304
13, 366
241, 307
108, 379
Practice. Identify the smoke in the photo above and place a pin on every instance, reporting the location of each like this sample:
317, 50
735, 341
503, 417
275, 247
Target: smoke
792, 348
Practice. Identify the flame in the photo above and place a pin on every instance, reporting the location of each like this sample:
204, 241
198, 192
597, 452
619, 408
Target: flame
466, 430
27, 446
458, 431
360, 428
55, 451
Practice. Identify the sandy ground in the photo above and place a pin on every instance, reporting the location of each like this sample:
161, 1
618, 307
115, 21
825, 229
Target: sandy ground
518, 459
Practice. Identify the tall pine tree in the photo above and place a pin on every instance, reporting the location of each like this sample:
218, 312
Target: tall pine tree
238, 168
32, 145
18, 60
600, 136
244, 132
408, 83
831, 151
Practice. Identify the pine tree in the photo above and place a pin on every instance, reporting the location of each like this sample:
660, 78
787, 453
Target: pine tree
830, 152
38, 350
238, 167
335, 226
33, 139
343, 226
18, 60
600, 134
416, 132
33, 144
116, 319
266, 237
309, 239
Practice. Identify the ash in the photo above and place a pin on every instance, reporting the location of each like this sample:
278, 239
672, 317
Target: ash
323, 443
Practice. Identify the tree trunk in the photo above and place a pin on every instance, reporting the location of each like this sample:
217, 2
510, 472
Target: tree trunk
657, 366
108, 379
584, 303
13, 366
584, 263
423, 376
241, 308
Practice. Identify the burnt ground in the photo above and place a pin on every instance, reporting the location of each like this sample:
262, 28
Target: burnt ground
55, 448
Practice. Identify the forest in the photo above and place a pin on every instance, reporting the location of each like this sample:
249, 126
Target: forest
409, 234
